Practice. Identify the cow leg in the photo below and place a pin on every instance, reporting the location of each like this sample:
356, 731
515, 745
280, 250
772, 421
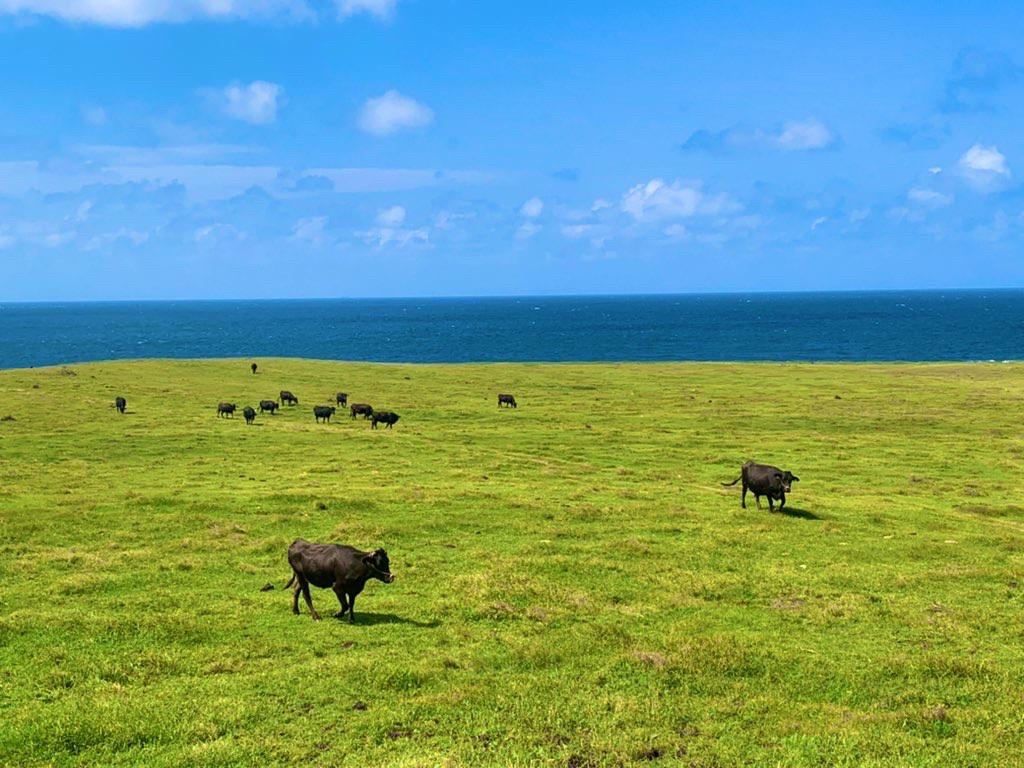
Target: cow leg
771, 504
295, 595
351, 609
743, 496
309, 601
757, 500
782, 501
344, 602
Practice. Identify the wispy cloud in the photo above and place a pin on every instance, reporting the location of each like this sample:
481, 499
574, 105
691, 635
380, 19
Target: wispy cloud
792, 136
393, 112
256, 102
657, 200
977, 77
140, 13
532, 208
382, 9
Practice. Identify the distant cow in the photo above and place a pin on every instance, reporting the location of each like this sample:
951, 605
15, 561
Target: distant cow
342, 398
288, 397
268, 406
361, 408
507, 400
250, 414
226, 409
384, 417
334, 566
254, 367
323, 412
120, 403
764, 480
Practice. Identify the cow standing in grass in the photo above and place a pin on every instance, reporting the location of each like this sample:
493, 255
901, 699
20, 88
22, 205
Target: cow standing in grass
120, 403
323, 412
508, 401
334, 566
288, 397
361, 408
342, 399
226, 410
387, 418
268, 406
250, 414
764, 480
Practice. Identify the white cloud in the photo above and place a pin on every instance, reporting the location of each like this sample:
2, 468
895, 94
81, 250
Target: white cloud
818, 222
675, 231
392, 112
657, 200
599, 205
391, 217
382, 9
527, 230
139, 13
383, 236
935, 170
984, 160
804, 135
576, 231
532, 208
254, 103
312, 230
929, 197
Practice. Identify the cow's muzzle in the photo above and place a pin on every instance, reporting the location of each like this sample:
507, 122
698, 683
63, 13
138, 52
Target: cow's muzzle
389, 578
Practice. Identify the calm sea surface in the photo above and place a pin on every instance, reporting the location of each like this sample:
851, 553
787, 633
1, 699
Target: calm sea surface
923, 325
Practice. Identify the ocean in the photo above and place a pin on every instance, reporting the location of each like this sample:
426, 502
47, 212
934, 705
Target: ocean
847, 326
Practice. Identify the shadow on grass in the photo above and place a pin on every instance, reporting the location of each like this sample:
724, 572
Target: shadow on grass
373, 619
803, 514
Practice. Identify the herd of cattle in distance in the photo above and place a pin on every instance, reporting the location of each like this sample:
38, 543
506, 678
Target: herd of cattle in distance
345, 569
320, 412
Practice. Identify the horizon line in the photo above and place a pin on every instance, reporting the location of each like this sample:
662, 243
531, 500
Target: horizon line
533, 296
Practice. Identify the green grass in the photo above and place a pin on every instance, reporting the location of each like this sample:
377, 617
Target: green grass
574, 587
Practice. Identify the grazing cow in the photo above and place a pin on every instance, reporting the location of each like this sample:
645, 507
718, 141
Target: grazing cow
288, 397
334, 566
254, 367
361, 408
323, 412
342, 398
764, 480
226, 409
120, 403
384, 417
250, 414
507, 400
268, 406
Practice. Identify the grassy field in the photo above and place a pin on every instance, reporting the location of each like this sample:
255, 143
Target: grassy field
574, 587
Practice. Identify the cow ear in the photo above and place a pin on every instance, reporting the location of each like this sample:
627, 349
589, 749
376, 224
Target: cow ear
368, 560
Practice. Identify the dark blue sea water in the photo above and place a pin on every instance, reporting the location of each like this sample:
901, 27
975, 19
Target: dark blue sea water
921, 325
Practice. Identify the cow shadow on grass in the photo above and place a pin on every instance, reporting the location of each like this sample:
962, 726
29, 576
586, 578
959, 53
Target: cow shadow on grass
803, 514
374, 619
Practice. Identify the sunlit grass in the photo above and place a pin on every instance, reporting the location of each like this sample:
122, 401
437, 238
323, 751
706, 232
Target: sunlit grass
574, 585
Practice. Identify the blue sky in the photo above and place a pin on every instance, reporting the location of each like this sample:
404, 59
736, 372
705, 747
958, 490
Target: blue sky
307, 148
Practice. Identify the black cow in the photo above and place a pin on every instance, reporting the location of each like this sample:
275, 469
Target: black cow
342, 398
250, 414
363, 408
334, 566
323, 412
764, 480
226, 409
268, 406
384, 417
288, 397
120, 403
507, 400
254, 367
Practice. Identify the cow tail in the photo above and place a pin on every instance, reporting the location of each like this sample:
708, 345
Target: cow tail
290, 581
726, 485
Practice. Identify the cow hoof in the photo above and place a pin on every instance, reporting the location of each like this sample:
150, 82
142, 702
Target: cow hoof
316, 617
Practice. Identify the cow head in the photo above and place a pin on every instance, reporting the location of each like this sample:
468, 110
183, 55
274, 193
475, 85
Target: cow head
380, 566
787, 478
